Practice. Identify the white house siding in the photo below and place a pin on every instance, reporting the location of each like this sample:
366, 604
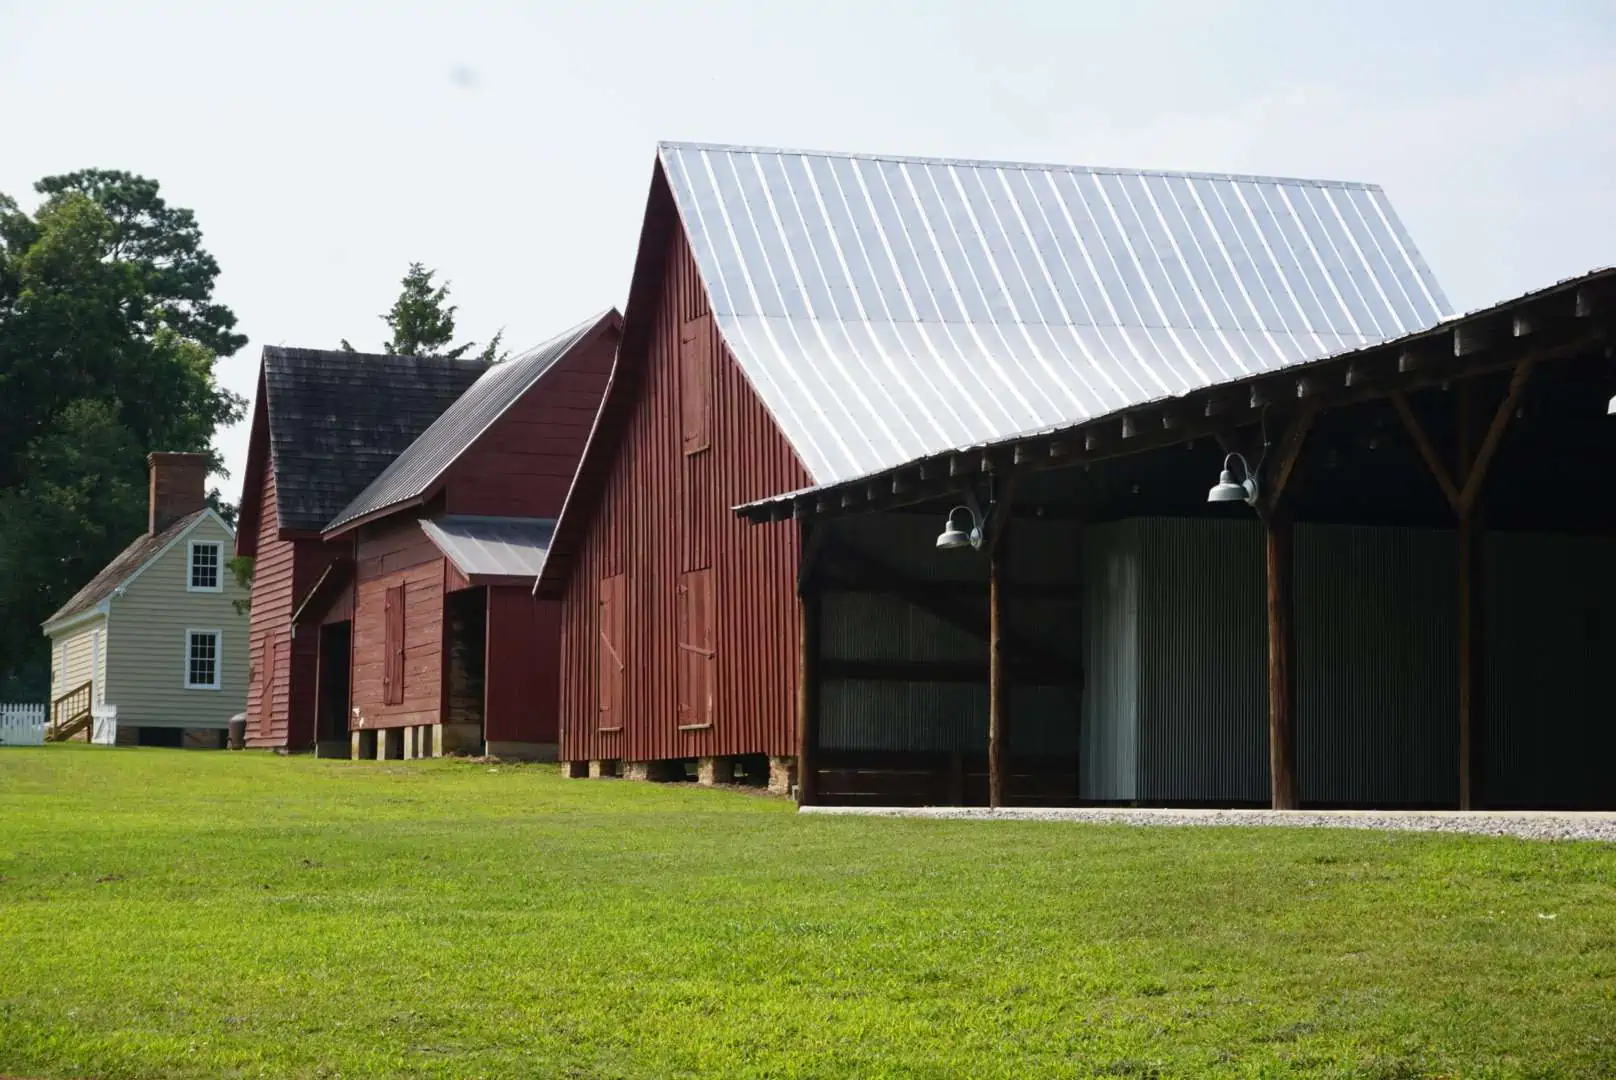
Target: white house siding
77, 652
147, 651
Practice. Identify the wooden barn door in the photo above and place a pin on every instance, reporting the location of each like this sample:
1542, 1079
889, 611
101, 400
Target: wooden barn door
611, 653
266, 688
695, 664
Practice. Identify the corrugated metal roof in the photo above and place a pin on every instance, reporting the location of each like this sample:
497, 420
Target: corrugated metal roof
886, 308
502, 547
412, 473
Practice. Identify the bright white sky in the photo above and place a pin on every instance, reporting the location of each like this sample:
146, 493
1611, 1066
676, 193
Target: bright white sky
325, 144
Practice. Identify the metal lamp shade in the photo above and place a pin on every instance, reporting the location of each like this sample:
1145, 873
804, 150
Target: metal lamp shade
953, 537
1225, 490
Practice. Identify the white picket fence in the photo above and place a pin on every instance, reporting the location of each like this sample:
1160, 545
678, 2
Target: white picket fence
104, 725
22, 725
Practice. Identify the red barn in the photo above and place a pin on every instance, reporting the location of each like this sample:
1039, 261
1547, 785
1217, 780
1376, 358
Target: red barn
679, 637
431, 639
326, 422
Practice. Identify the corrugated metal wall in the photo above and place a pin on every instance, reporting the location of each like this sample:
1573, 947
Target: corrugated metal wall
1376, 665
870, 714
1108, 757
659, 510
1175, 708
1550, 728
1203, 691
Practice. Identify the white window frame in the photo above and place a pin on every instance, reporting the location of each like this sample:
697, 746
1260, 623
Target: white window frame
190, 566
218, 660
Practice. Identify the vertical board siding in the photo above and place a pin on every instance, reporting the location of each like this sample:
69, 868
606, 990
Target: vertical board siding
1548, 732
523, 465
1376, 665
648, 527
144, 651
918, 715
1108, 755
520, 685
392, 554
1203, 693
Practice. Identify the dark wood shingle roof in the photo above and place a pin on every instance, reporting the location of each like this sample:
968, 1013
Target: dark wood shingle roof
337, 419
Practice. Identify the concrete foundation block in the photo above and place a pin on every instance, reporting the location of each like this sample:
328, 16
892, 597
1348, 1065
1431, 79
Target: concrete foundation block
364, 745
715, 770
390, 744
574, 770
782, 775
409, 744
602, 767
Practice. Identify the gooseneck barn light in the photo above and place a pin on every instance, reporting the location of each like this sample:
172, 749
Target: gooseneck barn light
1228, 489
953, 537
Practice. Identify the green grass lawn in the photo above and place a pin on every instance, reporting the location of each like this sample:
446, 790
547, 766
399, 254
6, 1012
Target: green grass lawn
184, 914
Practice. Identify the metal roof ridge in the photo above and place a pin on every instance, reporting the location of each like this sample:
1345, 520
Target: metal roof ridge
1022, 166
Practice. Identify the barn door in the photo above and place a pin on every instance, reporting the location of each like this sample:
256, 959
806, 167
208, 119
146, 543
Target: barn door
695, 385
611, 653
266, 688
393, 646
694, 621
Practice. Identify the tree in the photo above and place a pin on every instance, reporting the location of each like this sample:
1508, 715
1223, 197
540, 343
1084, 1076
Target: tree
108, 340
423, 321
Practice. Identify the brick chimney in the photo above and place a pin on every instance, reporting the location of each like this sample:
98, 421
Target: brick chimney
179, 486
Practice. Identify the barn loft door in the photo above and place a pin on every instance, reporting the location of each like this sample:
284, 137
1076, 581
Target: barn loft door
393, 646
696, 384
611, 653
266, 687
694, 619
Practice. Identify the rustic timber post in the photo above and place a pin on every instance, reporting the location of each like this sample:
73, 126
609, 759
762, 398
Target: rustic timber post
998, 629
1464, 496
1281, 716
1282, 785
998, 681
808, 613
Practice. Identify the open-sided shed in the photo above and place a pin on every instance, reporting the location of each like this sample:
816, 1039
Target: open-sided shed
1410, 606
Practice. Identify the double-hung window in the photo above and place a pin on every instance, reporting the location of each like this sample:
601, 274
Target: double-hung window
205, 566
202, 659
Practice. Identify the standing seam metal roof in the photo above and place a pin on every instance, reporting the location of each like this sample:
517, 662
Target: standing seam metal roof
412, 473
503, 547
887, 308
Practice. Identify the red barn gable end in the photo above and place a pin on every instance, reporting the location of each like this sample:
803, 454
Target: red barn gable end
679, 622
451, 651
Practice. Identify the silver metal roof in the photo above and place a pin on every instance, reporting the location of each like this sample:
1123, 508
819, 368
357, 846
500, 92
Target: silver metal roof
886, 308
410, 475
503, 547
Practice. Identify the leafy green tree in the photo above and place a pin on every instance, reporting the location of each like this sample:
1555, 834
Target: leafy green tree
423, 321
108, 340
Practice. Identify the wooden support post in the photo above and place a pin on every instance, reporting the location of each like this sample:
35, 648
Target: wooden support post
1281, 714
808, 612
1468, 542
998, 677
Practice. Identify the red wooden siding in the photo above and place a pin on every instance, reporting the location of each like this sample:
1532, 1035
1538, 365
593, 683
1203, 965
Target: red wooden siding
523, 465
521, 685
662, 512
395, 554
393, 645
280, 695
694, 627
609, 702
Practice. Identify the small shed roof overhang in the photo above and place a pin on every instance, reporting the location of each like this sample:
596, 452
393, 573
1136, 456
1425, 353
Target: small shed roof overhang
1565, 319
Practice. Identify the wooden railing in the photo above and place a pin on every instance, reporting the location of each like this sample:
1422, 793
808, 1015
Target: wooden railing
72, 713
